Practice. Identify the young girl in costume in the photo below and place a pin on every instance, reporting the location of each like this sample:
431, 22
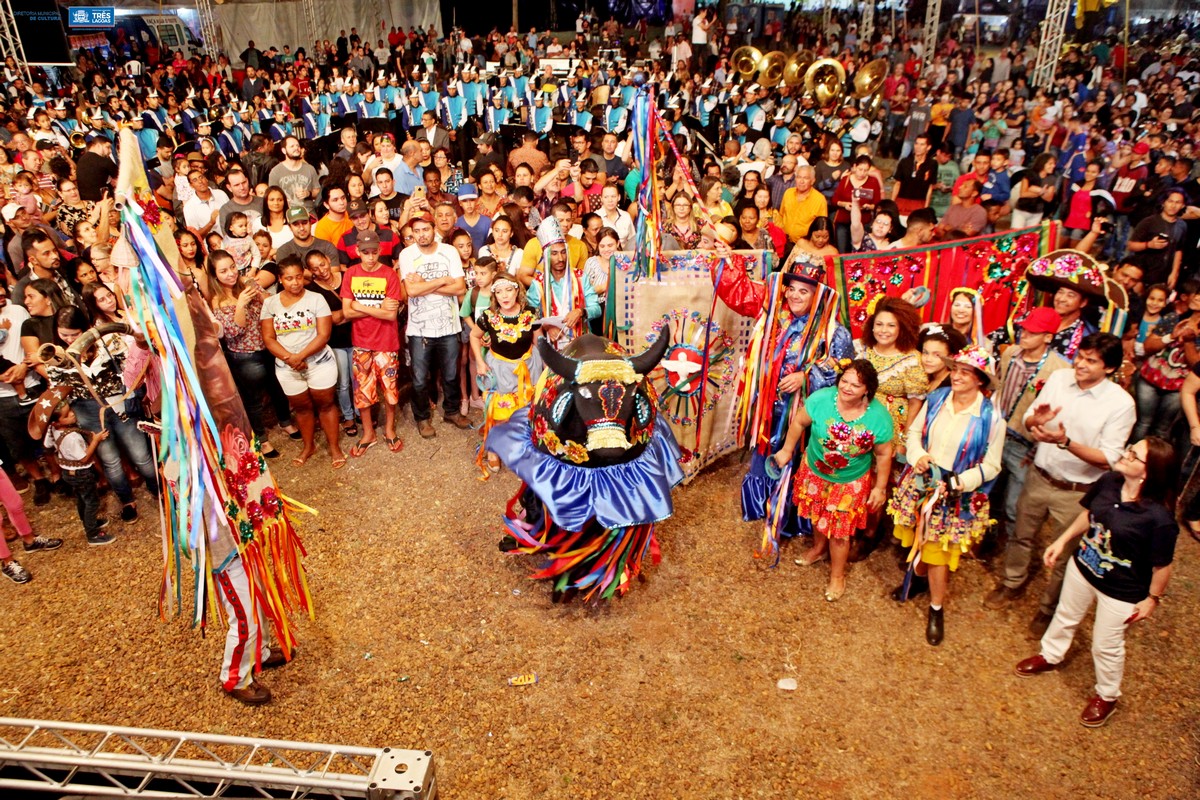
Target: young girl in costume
477, 299
503, 339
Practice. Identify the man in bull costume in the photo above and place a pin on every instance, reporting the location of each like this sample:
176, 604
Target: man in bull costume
597, 466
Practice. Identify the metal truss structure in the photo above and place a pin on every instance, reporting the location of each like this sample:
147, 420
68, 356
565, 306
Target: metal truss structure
99, 760
1054, 31
866, 22
10, 41
311, 19
208, 27
933, 18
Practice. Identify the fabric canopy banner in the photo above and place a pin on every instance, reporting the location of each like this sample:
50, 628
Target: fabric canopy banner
994, 265
698, 401
280, 23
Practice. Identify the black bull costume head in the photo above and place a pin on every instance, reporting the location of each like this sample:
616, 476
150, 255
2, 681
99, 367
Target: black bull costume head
597, 409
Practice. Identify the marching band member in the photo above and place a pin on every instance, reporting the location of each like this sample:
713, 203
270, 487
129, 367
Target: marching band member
410, 115
474, 92
281, 128
370, 106
497, 114
541, 116
227, 140
429, 95
580, 116
615, 115
452, 111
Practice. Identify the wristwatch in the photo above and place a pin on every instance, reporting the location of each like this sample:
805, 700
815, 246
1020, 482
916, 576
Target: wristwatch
1157, 598
1064, 444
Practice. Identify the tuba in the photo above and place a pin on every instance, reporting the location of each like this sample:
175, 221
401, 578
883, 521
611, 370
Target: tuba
870, 78
825, 81
745, 61
78, 140
793, 71
771, 69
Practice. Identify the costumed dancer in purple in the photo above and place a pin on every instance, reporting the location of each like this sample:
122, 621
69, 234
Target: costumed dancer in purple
597, 466
797, 347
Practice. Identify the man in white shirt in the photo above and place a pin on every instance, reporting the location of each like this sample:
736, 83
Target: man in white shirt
202, 211
433, 275
1081, 421
616, 218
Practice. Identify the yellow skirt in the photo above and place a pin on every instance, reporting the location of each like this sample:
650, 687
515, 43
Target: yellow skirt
932, 553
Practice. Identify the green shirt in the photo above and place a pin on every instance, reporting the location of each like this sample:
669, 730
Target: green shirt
947, 174
474, 303
841, 451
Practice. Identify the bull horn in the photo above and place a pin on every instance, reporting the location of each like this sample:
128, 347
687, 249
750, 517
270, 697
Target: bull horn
648, 359
92, 335
560, 365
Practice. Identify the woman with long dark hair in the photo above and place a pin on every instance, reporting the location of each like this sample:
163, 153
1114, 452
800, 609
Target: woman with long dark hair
1122, 562
236, 304
274, 218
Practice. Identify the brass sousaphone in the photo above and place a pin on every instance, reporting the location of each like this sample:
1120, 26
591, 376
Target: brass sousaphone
771, 69
793, 71
825, 81
745, 61
869, 79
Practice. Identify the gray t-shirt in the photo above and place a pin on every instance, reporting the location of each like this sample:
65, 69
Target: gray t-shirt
293, 181
253, 210
291, 248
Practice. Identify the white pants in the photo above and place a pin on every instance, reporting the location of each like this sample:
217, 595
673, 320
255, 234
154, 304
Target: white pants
246, 627
1108, 632
1025, 219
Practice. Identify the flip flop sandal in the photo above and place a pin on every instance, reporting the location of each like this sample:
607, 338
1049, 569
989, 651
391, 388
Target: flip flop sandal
362, 447
350, 430
395, 445
338, 463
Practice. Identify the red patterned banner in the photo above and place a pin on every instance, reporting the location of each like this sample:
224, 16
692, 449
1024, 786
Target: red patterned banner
994, 265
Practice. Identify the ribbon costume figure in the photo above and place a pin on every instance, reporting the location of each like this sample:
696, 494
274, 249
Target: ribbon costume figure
222, 512
795, 351
597, 466
566, 300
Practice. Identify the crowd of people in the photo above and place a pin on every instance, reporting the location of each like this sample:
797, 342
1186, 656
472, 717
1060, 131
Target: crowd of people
364, 216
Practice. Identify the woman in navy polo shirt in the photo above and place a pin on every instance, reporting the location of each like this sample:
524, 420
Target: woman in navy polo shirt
1123, 563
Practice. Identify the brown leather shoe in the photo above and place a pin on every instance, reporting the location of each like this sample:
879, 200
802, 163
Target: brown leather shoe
425, 428
1039, 624
1034, 665
252, 694
276, 658
1001, 597
458, 420
1097, 712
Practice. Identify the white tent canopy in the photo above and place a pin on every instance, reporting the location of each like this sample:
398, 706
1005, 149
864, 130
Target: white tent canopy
280, 22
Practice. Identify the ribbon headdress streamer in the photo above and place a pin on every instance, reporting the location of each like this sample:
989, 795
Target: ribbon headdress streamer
218, 496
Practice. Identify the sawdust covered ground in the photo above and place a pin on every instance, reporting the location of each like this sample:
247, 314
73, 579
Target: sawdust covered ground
669, 692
